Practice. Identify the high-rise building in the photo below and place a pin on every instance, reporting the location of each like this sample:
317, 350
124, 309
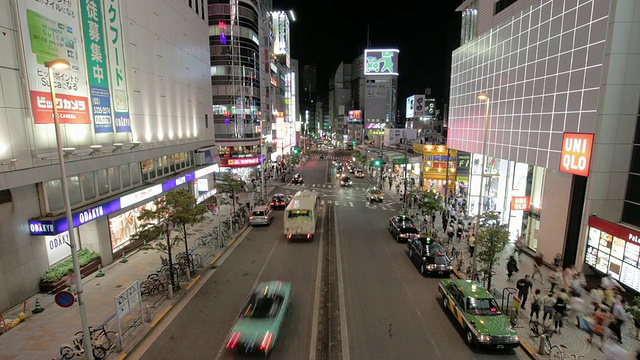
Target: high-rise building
135, 119
308, 96
253, 82
558, 122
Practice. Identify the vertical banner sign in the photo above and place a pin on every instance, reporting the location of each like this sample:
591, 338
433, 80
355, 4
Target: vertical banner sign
50, 30
117, 73
96, 65
576, 153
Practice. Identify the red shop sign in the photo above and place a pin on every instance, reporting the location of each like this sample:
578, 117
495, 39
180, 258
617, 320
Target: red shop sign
521, 203
614, 229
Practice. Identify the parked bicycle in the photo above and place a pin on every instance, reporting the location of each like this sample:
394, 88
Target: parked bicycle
537, 329
558, 353
155, 283
102, 341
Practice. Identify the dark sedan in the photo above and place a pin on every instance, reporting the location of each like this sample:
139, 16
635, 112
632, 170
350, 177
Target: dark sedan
429, 256
402, 228
345, 181
279, 201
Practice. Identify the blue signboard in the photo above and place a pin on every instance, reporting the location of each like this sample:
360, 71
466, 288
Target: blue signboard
54, 227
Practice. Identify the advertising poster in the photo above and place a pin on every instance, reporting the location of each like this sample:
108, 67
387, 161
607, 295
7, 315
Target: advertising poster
51, 30
117, 73
97, 65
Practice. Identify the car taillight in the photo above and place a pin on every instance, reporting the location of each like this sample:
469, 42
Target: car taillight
266, 217
308, 236
233, 340
266, 341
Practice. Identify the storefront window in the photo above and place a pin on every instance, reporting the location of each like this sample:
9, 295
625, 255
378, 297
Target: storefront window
124, 176
53, 192
134, 169
88, 186
103, 183
75, 196
114, 178
531, 220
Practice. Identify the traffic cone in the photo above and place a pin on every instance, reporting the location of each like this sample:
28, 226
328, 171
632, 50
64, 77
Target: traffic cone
38, 309
123, 259
100, 273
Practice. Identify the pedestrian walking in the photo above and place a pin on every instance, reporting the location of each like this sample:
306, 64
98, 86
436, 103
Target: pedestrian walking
619, 316
554, 277
390, 183
568, 275
512, 267
601, 319
524, 285
547, 307
472, 243
538, 261
560, 312
536, 305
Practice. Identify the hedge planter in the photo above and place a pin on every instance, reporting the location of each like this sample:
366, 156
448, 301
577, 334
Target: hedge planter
55, 286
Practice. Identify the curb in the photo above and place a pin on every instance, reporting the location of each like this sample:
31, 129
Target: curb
530, 352
177, 299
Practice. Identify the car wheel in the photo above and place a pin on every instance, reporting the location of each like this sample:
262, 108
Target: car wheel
445, 301
411, 253
469, 337
398, 238
423, 269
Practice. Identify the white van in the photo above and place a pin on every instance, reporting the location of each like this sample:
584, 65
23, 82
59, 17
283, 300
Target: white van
301, 215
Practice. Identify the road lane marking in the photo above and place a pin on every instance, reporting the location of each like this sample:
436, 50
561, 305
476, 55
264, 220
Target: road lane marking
162, 314
193, 282
313, 346
341, 299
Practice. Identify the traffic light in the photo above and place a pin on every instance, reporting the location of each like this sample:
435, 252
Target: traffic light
353, 143
377, 162
296, 151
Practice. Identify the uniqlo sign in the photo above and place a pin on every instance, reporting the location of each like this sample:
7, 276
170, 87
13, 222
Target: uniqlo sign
576, 153
520, 203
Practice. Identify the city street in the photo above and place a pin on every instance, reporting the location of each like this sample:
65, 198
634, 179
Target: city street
386, 309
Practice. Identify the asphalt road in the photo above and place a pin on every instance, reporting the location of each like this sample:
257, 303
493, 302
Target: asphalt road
384, 308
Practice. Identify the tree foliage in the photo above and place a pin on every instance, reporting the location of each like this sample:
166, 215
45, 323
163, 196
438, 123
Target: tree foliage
429, 202
227, 184
490, 241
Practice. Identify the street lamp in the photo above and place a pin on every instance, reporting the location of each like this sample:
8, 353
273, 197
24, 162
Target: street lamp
63, 65
487, 99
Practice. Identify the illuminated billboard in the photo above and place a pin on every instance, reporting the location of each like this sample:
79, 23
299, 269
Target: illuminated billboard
381, 61
576, 153
280, 29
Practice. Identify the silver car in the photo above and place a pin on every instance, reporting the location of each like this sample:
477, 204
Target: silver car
261, 215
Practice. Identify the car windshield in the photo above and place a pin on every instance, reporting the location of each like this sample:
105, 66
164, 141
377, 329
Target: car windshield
346, 178
260, 307
278, 198
434, 249
375, 191
482, 307
258, 213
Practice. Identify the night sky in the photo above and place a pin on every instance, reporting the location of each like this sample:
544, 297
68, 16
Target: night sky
426, 32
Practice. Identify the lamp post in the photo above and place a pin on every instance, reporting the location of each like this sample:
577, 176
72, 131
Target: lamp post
404, 197
487, 99
63, 65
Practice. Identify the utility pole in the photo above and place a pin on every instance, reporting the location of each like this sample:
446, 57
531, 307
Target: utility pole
404, 197
446, 189
381, 160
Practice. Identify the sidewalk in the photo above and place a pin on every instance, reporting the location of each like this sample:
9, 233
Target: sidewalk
573, 338
40, 336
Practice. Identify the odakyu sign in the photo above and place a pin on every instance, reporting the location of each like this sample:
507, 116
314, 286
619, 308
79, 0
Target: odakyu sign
57, 226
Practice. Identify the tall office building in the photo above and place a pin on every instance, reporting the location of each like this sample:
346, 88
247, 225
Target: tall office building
308, 97
135, 120
559, 127
253, 83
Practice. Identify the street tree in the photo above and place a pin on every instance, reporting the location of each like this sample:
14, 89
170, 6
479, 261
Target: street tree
231, 186
175, 210
429, 203
490, 241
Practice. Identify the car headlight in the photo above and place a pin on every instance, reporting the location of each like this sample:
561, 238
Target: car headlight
484, 338
431, 266
514, 338
449, 267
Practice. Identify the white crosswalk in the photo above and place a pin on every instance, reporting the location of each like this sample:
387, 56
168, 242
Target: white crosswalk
386, 207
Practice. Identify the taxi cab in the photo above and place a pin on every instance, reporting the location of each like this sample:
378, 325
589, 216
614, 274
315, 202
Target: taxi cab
477, 311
